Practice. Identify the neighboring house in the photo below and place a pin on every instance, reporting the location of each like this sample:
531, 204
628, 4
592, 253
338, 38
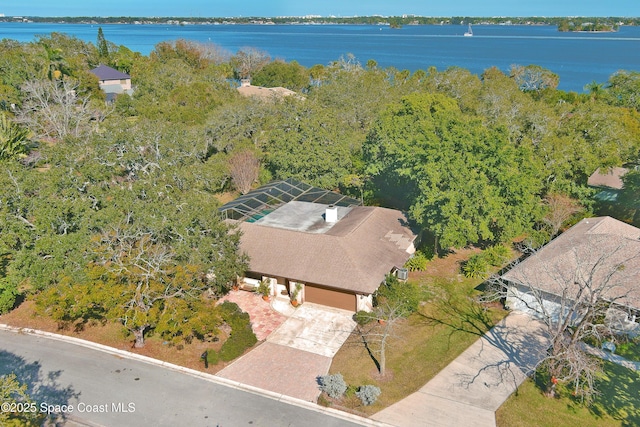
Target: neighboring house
266, 93
609, 183
337, 251
600, 255
112, 81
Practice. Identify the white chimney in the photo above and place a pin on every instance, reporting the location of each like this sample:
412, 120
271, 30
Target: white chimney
331, 214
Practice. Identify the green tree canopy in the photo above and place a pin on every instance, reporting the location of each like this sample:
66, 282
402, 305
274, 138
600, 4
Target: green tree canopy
461, 180
307, 143
279, 73
624, 88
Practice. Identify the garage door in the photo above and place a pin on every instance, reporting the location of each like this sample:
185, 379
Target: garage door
330, 297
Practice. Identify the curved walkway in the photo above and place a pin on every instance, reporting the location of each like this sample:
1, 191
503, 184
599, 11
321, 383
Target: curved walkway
611, 357
469, 390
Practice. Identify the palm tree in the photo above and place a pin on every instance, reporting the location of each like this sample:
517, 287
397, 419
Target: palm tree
55, 62
13, 139
596, 90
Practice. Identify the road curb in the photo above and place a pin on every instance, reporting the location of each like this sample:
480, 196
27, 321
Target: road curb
194, 373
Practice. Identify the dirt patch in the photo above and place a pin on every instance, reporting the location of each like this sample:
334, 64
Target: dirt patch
226, 197
113, 335
448, 266
387, 377
349, 404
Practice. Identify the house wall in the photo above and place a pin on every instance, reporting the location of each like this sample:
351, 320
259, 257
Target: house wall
536, 303
125, 84
364, 303
310, 292
248, 283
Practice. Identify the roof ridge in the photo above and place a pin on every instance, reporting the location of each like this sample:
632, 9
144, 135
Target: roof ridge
362, 221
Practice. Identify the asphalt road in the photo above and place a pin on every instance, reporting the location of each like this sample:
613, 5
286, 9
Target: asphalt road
108, 390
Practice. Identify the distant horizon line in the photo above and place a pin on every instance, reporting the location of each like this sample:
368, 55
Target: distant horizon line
312, 16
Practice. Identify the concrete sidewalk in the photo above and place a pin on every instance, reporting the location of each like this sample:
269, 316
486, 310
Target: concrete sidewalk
472, 387
611, 357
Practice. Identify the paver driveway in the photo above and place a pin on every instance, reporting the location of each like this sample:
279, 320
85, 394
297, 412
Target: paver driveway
293, 356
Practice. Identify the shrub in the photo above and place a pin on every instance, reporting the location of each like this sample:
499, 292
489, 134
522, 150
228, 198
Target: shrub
368, 394
8, 295
351, 391
228, 309
497, 255
363, 317
476, 267
405, 296
233, 315
239, 340
333, 385
213, 357
241, 337
418, 262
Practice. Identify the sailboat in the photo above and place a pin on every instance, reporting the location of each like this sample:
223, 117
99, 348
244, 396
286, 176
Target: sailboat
469, 32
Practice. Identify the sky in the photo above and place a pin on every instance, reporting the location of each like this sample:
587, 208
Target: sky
266, 8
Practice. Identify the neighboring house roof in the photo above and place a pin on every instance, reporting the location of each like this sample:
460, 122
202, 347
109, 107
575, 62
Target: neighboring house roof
265, 92
611, 179
354, 254
598, 249
107, 73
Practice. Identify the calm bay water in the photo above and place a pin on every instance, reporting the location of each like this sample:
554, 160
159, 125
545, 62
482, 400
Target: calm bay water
578, 58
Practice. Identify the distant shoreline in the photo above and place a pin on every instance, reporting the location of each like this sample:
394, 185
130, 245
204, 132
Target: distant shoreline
392, 21
589, 31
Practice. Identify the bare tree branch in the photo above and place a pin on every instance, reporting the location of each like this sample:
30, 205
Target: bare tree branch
244, 167
53, 109
573, 285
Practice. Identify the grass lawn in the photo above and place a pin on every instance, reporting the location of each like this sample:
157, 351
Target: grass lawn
425, 342
618, 404
630, 350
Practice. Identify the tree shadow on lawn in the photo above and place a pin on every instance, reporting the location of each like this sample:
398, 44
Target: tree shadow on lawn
41, 387
619, 395
520, 348
459, 315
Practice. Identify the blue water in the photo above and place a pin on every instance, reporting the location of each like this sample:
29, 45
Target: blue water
578, 58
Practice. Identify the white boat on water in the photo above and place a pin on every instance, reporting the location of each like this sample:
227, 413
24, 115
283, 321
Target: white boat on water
469, 32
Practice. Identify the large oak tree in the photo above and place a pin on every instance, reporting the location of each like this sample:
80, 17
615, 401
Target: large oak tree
460, 179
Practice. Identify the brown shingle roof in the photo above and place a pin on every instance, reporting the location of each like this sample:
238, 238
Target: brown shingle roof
355, 254
597, 249
611, 179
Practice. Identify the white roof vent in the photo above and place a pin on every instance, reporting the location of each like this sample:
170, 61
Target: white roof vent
331, 214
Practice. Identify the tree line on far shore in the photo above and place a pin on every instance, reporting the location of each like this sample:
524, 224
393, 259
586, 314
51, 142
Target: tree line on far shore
563, 23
